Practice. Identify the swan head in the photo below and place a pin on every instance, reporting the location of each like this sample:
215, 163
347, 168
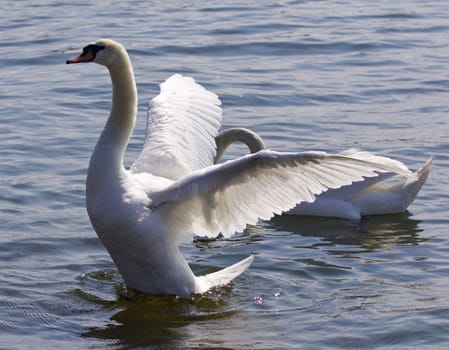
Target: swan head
104, 51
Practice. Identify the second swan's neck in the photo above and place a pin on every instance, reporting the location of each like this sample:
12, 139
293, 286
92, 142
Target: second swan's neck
226, 137
112, 144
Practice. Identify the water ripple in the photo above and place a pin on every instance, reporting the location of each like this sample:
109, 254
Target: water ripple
305, 75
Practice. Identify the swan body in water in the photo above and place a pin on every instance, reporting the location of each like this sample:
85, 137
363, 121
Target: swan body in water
370, 197
173, 190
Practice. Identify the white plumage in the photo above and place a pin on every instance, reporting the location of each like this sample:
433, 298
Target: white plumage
388, 193
174, 191
181, 126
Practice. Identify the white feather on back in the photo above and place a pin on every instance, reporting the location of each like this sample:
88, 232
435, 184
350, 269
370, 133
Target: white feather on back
182, 123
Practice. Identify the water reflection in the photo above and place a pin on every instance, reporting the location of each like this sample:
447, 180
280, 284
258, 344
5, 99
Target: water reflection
160, 321
371, 233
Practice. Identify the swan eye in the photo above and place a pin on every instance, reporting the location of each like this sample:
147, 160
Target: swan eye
92, 49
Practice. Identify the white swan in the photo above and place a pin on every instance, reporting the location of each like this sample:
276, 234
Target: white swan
369, 197
173, 190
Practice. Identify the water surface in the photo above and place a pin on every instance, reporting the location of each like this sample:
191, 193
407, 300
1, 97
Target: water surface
322, 75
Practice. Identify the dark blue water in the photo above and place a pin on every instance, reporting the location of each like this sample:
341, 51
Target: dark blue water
325, 75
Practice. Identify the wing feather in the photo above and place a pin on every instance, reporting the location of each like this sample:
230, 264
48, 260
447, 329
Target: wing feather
224, 198
182, 123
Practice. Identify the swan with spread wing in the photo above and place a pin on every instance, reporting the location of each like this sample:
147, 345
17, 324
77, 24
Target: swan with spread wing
389, 193
174, 191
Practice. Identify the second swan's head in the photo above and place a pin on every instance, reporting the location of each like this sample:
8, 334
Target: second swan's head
104, 51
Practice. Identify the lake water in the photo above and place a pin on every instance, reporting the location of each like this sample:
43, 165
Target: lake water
306, 75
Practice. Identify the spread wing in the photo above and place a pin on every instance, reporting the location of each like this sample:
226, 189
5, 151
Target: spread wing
347, 192
224, 198
182, 123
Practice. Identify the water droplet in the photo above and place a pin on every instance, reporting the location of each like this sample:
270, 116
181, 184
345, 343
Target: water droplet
258, 299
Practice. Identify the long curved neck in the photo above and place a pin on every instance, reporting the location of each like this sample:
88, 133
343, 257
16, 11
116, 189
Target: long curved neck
226, 137
112, 143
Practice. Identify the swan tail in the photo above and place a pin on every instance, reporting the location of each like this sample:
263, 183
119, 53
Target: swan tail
413, 184
380, 199
224, 276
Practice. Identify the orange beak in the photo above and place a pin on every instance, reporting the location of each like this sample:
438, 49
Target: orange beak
86, 56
